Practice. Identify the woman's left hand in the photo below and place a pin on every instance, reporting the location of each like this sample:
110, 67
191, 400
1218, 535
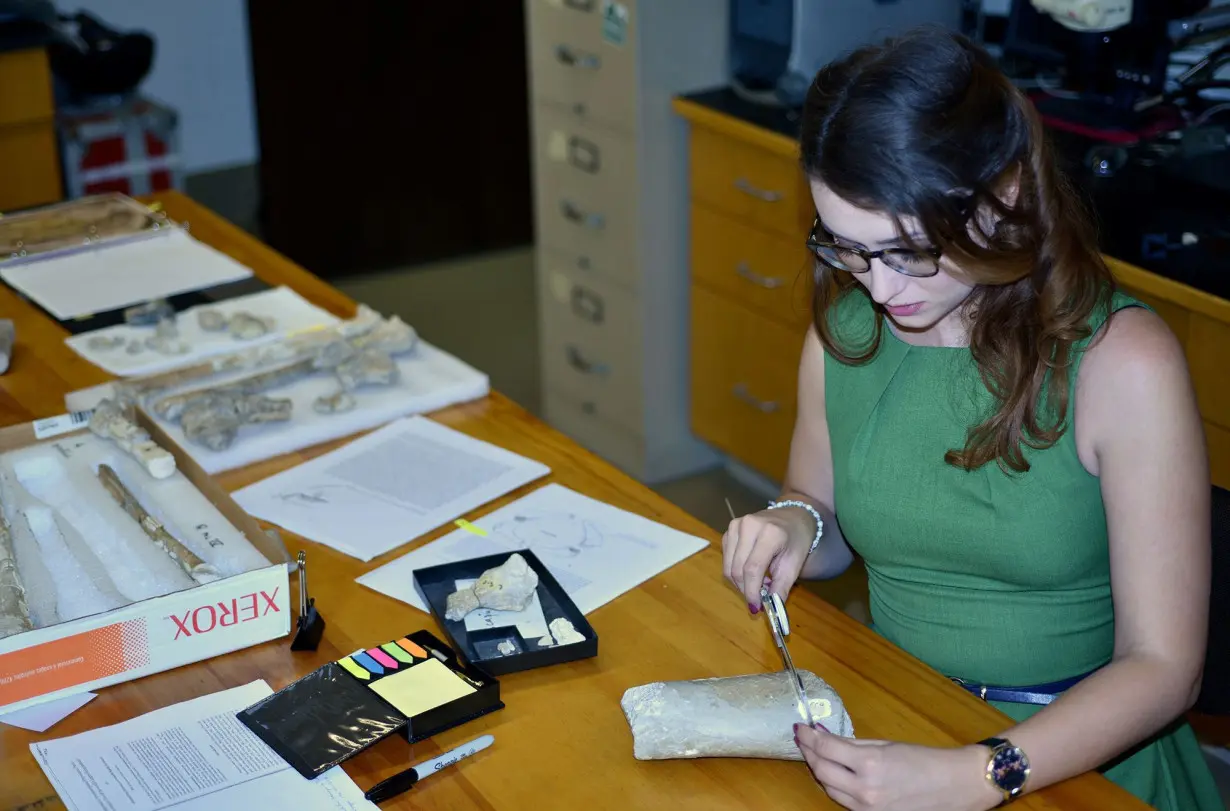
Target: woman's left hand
868, 775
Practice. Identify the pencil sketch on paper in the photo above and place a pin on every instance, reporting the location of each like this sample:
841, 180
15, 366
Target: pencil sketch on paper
333, 496
562, 535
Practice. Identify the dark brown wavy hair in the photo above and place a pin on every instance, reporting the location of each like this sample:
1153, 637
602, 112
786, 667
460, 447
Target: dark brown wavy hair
926, 126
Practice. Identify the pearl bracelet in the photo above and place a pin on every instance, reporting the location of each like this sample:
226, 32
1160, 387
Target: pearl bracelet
773, 505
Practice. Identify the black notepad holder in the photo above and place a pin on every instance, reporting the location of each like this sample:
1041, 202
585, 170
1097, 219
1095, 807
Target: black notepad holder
481, 646
330, 715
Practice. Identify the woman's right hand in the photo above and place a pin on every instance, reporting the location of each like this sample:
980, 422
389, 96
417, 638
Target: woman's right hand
767, 547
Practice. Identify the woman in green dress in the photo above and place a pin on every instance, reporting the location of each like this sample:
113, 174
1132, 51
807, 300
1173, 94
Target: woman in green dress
1010, 444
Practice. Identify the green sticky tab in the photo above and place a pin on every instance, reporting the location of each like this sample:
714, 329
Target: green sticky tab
397, 653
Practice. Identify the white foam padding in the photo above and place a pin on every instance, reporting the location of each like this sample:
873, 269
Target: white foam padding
429, 379
96, 555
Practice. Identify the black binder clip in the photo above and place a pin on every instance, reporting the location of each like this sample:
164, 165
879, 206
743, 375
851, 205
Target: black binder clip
311, 626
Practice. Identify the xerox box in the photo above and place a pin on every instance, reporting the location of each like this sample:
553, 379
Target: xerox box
119, 581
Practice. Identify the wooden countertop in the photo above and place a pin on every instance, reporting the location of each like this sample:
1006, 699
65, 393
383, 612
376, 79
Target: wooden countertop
562, 740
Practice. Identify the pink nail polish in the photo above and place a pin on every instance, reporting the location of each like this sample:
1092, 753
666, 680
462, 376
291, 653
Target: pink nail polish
753, 608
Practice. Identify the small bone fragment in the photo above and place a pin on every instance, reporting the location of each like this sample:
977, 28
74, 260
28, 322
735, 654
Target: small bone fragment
135, 347
564, 632
506, 648
214, 421
149, 313
335, 403
211, 320
110, 422
546, 642
245, 326
738, 716
507, 587
189, 561
166, 328
367, 367
167, 345
392, 336
103, 343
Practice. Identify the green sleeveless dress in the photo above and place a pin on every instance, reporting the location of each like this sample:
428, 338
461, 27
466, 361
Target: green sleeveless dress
995, 579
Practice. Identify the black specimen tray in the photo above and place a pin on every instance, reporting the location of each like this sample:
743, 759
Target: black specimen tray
436, 583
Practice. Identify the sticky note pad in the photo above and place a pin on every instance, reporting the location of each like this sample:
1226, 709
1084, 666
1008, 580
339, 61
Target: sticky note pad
422, 687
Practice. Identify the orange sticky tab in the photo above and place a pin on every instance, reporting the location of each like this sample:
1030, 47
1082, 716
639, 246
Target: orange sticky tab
412, 648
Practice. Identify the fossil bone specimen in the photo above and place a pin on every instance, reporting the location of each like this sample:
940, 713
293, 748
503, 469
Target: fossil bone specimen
110, 422
189, 561
104, 343
507, 587
211, 320
335, 403
368, 367
737, 716
565, 634
213, 421
245, 326
135, 347
14, 614
149, 313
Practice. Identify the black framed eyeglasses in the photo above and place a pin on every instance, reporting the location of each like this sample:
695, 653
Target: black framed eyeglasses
907, 261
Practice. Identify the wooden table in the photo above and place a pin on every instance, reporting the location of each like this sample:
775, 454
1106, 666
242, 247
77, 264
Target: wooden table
562, 741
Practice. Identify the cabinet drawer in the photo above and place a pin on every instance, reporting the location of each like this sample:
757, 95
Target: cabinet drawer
589, 222
744, 380
591, 344
30, 158
25, 87
574, 65
750, 184
1208, 357
763, 270
584, 423
586, 185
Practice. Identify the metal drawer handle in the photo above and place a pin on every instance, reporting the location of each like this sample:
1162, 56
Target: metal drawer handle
578, 361
584, 154
764, 406
578, 215
767, 282
580, 5
577, 59
746, 187
588, 305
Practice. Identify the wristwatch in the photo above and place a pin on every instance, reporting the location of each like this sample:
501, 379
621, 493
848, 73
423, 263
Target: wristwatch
1007, 768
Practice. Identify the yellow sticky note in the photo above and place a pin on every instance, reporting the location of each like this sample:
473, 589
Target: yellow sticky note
422, 687
468, 527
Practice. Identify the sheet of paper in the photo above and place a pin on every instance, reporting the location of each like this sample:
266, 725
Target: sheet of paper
595, 551
530, 622
388, 487
289, 311
120, 275
423, 687
193, 756
42, 717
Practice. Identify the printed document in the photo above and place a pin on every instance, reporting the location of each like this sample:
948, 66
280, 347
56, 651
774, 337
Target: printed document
388, 487
595, 551
193, 756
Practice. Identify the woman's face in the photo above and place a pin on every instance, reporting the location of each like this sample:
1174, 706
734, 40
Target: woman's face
915, 304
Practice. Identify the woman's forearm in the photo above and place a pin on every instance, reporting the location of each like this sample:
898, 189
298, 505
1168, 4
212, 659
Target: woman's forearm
1103, 716
833, 556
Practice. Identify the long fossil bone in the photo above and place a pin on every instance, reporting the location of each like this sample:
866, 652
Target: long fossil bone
14, 614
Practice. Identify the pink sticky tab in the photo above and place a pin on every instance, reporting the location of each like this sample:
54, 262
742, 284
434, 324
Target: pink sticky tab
383, 658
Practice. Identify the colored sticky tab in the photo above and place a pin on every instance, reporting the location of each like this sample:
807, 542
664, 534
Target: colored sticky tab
383, 658
411, 648
397, 653
468, 527
368, 662
353, 668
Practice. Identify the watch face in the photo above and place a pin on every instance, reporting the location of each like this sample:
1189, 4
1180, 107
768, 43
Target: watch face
1009, 769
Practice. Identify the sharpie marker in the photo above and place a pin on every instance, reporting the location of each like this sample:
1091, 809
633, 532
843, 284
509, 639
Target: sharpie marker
400, 783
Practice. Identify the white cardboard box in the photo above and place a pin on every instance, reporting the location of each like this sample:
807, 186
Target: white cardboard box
156, 634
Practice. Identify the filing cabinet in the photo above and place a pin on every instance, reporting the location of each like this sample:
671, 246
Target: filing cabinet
610, 172
29, 149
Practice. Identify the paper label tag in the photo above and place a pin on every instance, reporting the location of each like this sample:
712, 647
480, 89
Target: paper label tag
614, 22
60, 424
